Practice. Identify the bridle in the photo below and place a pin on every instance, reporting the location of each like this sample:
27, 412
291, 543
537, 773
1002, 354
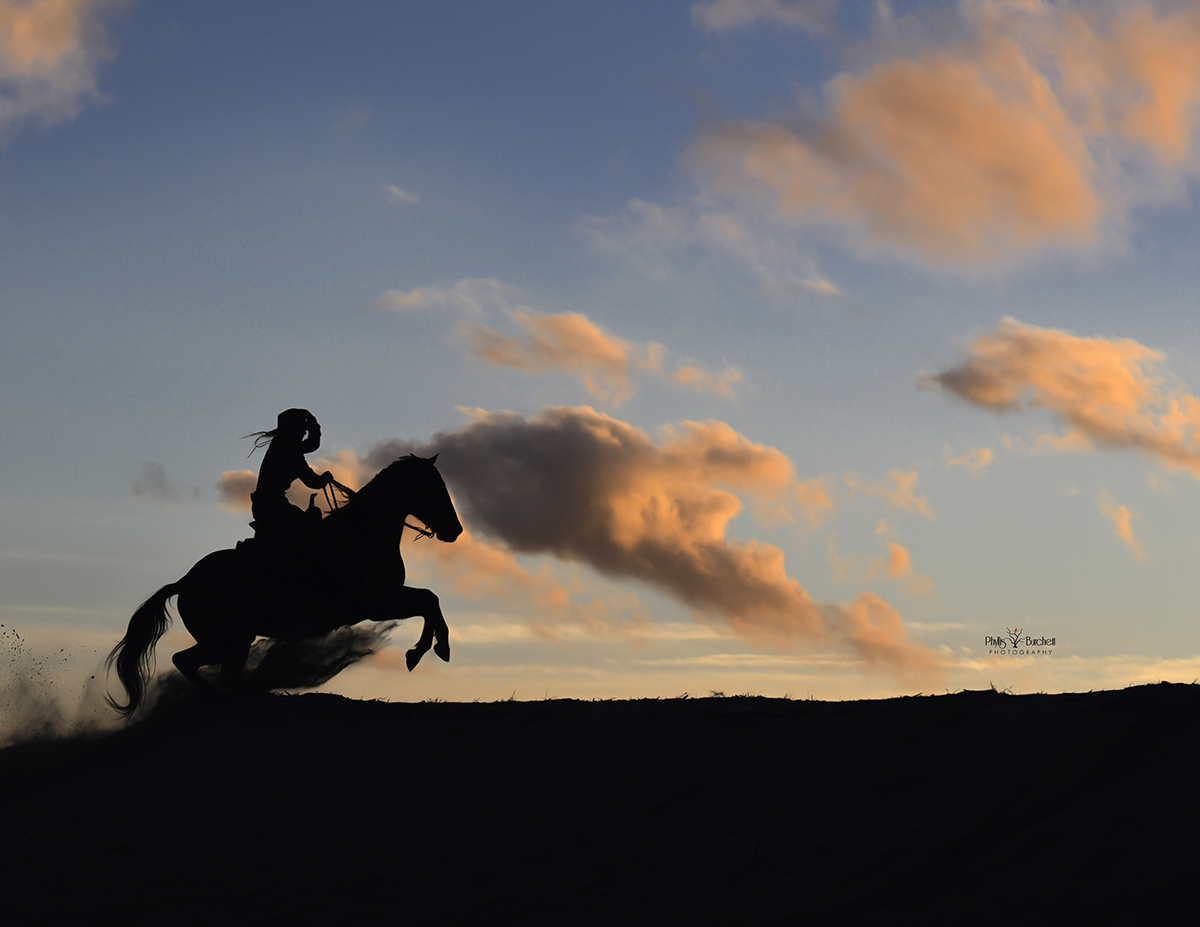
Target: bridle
332, 501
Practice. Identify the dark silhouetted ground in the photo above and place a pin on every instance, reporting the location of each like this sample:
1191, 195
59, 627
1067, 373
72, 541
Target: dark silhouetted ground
973, 808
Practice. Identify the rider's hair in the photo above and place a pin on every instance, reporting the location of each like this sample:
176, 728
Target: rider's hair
261, 438
291, 418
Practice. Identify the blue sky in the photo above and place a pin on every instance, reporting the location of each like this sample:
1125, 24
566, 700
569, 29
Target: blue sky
798, 226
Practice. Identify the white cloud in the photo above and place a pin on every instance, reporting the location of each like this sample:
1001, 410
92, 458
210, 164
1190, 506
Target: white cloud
725, 15
397, 197
677, 242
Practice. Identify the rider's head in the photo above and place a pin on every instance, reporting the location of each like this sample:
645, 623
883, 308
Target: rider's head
301, 425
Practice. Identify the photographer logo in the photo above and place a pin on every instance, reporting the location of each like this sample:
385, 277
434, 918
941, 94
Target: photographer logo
1016, 644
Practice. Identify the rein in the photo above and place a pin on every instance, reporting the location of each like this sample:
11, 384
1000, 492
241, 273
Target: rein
332, 502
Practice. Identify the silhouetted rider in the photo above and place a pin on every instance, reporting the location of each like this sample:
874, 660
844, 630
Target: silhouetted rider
296, 434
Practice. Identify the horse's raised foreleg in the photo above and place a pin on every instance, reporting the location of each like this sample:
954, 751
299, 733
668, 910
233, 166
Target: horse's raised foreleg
435, 634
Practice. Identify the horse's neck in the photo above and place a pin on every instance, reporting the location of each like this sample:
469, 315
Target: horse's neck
366, 526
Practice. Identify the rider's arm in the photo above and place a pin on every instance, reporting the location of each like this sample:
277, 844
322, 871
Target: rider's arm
310, 478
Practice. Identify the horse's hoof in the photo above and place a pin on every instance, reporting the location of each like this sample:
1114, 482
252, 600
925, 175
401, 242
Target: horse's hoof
412, 658
442, 649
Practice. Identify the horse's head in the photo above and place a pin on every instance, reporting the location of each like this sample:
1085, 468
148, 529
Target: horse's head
429, 499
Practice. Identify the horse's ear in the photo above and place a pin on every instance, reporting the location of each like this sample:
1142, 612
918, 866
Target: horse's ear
433, 459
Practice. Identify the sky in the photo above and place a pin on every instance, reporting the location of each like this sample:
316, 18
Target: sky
782, 348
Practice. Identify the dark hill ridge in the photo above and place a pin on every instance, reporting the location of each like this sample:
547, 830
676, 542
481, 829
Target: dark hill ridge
977, 807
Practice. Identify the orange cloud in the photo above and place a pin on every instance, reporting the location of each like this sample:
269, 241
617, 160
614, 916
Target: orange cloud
704, 382
566, 342
49, 53
486, 571
814, 499
1034, 125
877, 634
587, 488
898, 565
1121, 519
1107, 392
235, 487
569, 342
974, 460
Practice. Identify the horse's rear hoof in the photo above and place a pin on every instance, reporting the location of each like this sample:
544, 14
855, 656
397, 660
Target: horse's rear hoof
442, 649
412, 658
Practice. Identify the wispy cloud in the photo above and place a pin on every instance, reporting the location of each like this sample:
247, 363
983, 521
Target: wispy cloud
567, 342
704, 382
50, 51
351, 116
724, 15
394, 196
974, 141
153, 485
670, 243
815, 500
975, 461
472, 297
897, 565
564, 342
1108, 393
584, 487
899, 492
1122, 522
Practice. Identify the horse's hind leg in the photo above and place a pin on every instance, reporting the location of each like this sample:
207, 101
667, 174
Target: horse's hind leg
233, 664
189, 662
232, 660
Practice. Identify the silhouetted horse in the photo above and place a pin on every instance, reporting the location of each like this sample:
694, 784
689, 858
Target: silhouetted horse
348, 570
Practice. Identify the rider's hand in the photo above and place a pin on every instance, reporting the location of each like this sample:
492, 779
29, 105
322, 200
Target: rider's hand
327, 477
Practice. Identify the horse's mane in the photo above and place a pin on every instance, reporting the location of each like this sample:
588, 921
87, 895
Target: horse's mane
380, 483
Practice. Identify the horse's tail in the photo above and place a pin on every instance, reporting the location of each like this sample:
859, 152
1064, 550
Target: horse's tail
134, 653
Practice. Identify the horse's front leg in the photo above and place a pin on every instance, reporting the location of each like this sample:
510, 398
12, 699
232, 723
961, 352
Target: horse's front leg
435, 633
